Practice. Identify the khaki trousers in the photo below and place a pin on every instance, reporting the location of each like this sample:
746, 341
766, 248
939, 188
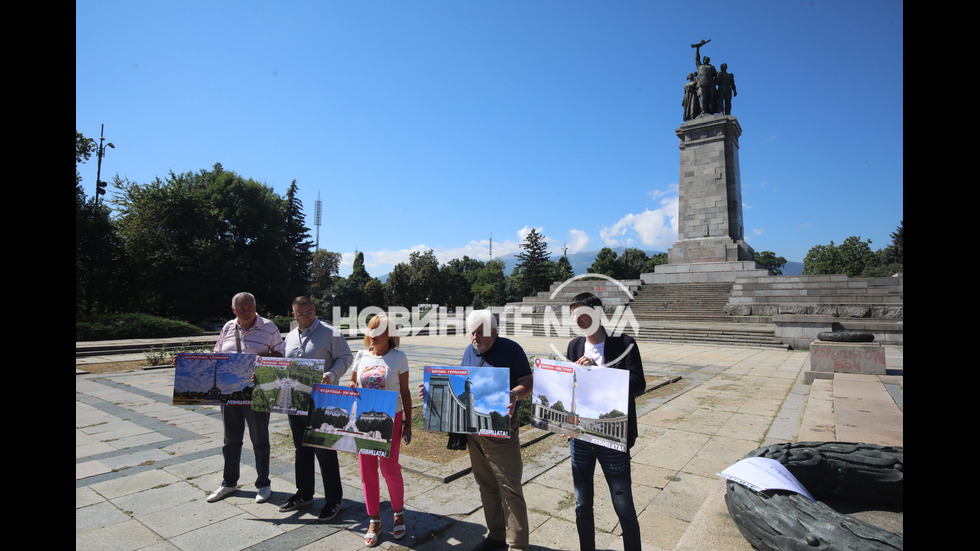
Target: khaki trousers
497, 468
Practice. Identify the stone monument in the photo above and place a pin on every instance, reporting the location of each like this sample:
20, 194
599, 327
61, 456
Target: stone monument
710, 230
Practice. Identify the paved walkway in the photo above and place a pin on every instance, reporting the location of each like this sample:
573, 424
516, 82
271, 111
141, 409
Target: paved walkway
144, 468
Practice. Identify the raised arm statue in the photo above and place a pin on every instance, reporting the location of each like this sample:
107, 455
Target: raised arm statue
706, 79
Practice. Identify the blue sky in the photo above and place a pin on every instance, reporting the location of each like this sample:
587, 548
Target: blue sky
490, 386
196, 373
443, 124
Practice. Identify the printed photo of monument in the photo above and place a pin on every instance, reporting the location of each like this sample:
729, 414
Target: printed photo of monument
588, 403
283, 385
213, 379
467, 400
359, 420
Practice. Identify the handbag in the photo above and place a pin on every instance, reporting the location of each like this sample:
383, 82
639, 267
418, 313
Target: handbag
457, 441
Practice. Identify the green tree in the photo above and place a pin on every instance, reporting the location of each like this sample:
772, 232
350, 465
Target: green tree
654, 261
606, 263
633, 263
771, 262
563, 269
534, 268
889, 261
458, 276
396, 288
489, 285
374, 293
98, 252
324, 268
849, 258
895, 253
83, 151
212, 226
424, 281
298, 238
350, 290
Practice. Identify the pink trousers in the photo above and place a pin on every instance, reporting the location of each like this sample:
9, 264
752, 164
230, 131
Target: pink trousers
390, 469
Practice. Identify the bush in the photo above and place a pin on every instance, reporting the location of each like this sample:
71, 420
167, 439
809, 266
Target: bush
282, 322
132, 326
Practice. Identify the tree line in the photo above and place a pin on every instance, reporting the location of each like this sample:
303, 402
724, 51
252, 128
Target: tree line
181, 246
854, 257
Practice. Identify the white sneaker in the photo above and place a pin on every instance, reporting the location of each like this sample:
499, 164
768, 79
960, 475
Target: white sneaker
222, 493
263, 494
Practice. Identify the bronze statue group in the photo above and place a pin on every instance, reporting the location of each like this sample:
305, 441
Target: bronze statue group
708, 91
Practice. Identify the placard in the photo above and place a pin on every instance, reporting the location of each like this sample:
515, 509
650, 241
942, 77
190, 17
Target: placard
353, 420
471, 400
213, 379
283, 385
585, 402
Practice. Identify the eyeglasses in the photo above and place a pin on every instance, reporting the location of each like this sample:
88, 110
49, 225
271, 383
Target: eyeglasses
303, 314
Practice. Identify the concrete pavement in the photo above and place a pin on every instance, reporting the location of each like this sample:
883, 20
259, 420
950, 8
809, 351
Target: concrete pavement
144, 467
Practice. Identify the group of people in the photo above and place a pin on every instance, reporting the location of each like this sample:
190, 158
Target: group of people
708, 91
496, 462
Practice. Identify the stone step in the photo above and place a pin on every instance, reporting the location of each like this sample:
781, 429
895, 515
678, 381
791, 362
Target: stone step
716, 334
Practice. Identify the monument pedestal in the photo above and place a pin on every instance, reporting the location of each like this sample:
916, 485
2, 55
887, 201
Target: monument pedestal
710, 245
709, 225
705, 272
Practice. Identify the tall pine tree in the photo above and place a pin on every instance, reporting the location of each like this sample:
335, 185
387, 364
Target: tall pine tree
534, 269
298, 238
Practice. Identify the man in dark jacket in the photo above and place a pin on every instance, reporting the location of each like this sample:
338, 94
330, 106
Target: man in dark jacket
598, 348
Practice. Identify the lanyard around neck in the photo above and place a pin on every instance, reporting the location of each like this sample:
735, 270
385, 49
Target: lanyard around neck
299, 337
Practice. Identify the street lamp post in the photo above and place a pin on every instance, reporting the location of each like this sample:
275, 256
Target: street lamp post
99, 184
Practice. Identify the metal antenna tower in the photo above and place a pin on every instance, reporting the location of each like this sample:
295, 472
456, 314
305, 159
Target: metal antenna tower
316, 219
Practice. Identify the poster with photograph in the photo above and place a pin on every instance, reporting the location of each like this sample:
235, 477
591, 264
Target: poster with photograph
585, 402
354, 420
213, 379
283, 385
471, 400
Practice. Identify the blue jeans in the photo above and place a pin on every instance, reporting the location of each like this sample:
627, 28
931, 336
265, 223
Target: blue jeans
616, 468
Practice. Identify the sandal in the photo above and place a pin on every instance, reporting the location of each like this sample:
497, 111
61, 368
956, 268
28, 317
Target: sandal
399, 530
371, 538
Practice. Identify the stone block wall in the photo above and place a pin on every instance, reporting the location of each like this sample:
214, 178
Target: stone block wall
830, 295
803, 306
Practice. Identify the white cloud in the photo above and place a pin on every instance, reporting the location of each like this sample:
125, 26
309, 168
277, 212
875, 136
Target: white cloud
656, 229
523, 232
577, 240
659, 193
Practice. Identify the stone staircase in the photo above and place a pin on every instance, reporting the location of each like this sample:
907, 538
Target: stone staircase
691, 313
688, 302
730, 334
